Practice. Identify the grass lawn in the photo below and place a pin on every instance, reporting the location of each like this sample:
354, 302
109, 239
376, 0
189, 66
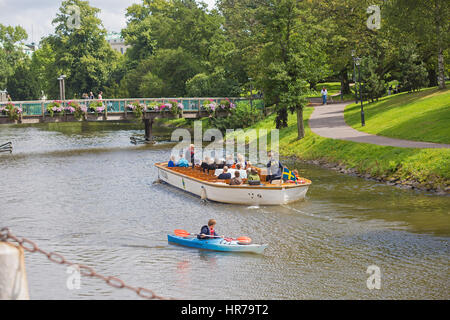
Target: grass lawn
419, 116
426, 166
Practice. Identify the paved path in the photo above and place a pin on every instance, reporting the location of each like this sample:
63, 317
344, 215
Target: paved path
328, 121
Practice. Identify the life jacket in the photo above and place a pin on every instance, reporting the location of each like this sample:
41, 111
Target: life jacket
207, 233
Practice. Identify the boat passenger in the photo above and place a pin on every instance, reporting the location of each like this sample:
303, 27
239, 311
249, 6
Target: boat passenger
208, 232
253, 177
183, 163
236, 181
211, 165
172, 162
274, 168
241, 160
190, 155
225, 175
205, 164
220, 163
229, 161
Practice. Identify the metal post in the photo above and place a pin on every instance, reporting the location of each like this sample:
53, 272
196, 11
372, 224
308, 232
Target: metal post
354, 81
13, 277
60, 89
63, 90
363, 122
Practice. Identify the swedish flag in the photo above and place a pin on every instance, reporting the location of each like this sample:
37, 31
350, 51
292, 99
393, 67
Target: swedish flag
289, 175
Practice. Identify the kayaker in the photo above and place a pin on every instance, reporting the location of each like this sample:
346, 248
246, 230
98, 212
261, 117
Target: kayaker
208, 232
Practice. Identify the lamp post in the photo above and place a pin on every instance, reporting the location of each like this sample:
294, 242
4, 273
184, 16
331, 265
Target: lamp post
358, 64
62, 87
354, 75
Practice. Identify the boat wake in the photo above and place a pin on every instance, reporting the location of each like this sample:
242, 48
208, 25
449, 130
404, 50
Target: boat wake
328, 218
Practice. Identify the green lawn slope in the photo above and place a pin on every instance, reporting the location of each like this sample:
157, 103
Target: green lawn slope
419, 116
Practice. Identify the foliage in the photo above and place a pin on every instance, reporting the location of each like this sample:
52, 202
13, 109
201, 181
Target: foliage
210, 106
11, 111
137, 108
242, 116
413, 74
23, 84
10, 51
79, 111
216, 84
82, 54
97, 107
373, 85
55, 107
173, 106
425, 24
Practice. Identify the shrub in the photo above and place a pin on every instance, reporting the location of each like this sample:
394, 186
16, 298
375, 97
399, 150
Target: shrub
11, 110
242, 116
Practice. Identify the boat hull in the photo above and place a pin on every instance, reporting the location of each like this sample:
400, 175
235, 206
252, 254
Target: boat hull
217, 245
244, 195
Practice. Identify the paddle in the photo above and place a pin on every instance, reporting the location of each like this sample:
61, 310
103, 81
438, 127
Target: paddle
184, 234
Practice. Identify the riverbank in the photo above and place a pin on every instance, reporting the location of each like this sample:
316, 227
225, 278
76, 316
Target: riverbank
422, 169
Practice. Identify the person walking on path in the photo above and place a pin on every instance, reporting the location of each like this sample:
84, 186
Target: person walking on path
324, 93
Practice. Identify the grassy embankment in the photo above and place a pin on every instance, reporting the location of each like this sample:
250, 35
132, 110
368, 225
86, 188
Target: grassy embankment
420, 116
418, 168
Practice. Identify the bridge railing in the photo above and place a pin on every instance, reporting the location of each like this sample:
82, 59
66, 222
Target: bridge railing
39, 107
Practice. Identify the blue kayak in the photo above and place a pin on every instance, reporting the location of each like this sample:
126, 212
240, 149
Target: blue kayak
217, 244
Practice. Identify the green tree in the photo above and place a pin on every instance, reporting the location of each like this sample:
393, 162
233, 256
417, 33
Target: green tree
81, 53
10, 51
24, 84
171, 41
217, 84
413, 74
424, 23
374, 84
285, 61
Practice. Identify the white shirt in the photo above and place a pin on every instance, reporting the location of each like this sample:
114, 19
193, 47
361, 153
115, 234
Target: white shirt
324, 92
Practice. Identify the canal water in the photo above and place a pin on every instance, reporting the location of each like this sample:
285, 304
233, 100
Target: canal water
88, 194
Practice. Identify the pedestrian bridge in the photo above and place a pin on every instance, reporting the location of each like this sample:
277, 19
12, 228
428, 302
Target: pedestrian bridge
115, 110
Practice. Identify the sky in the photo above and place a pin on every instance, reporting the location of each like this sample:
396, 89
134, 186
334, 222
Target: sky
36, 16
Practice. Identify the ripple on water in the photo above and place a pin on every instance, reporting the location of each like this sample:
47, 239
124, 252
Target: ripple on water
90, 196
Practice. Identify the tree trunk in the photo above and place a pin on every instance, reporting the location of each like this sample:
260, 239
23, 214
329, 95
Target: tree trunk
345, 84
441, 64
441, 68
300, 126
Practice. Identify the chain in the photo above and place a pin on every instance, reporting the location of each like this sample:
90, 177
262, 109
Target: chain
30, 246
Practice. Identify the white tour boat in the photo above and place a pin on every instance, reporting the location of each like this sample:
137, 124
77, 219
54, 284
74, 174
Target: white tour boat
207, 186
